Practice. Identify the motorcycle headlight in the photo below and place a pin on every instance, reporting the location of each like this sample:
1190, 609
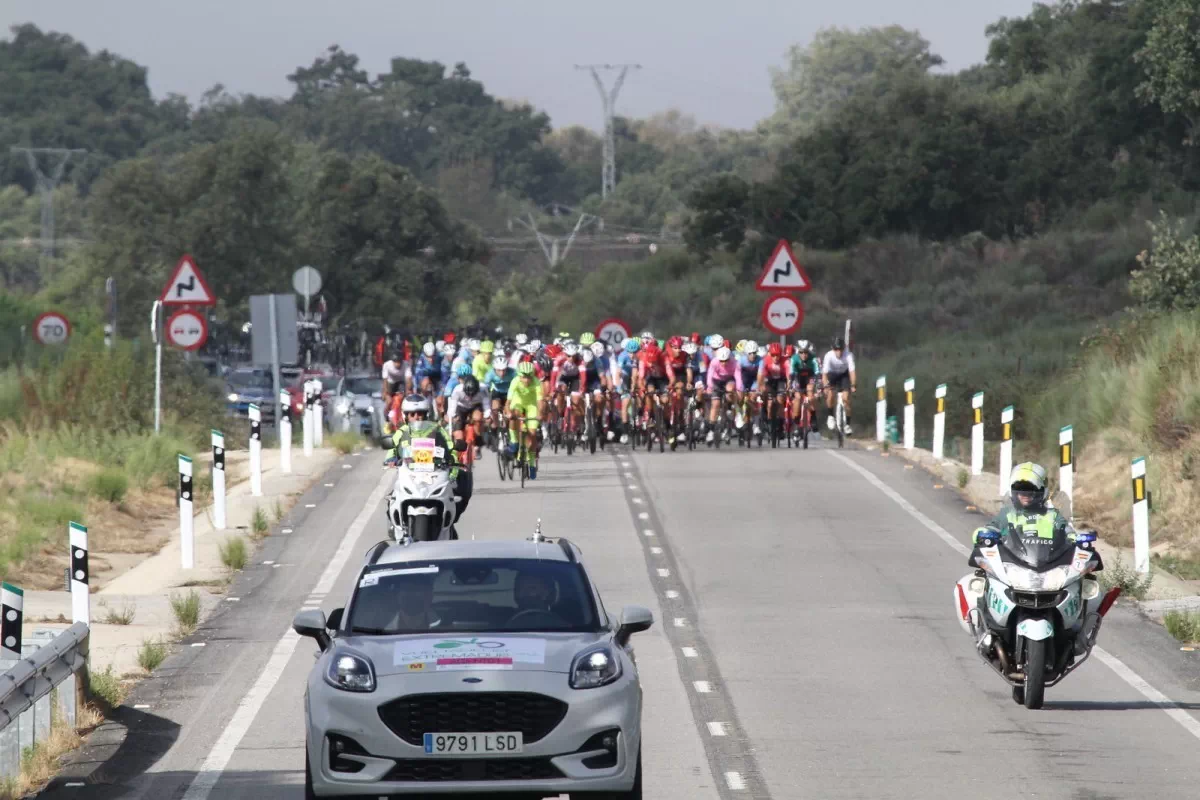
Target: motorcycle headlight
1027, 580
232, 397
594, 668
350, 672
1089, 588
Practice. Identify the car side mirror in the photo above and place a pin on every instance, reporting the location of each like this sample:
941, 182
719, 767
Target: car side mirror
386, 442
311, 623
334, 620
634, 619
460, 445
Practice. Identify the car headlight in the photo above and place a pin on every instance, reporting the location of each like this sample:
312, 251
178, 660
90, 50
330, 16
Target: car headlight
233, 398
343, 407
350, 672
1023, 579
595, 667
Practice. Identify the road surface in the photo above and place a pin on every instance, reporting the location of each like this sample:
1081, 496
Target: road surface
804, 646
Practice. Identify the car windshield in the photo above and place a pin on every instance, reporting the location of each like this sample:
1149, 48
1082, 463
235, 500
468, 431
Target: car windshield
250, 379
362, 385
473, 595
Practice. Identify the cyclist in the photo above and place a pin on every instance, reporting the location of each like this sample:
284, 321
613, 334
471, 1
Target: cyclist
749, 362
567, 378
397, 376
429, 374
837, 373
697, 369
599, 380
483, 362
724, 375
773, 376
625, 369
804, 373
655, 374
525, 402
680, 367
467, 401
496, 384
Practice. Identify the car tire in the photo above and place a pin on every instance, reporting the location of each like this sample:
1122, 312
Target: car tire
633, 794
308, 786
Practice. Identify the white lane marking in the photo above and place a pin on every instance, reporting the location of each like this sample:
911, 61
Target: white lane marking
141, 705
633, 486
643, 515
703, 687
233, 599
268, 562
734, 781
310, 505
1169, 706
637, 500
286, 530
199, 644
348, 466
624, 463
716, 729
664, 573
689, 652
218, 758
680, 622
647, 532
328, 485
672, 594
656, 551
74, 784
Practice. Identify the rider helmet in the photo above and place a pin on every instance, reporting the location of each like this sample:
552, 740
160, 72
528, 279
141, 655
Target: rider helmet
632, 345
675, 341
586, 339
716, 340
598, 349
690, 348
487, 347
1027, 485
741, 346
525, 368
751, 347
647, 336
522, 338
571, 349
463, 370
499, 363
775, 350
428, 349
588, 356
415, 404
723, 353
761, 351
804, 345
694, 338
449, 349
536, 344
839, 343
470, 385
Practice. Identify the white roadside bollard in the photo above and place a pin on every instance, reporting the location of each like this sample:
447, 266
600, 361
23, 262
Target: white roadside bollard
1006, 448
218, 479
12, 609
187, 536
977, 435
939, 423
1066, 464
308, 419
285, 432
81, 603
255, 451
880, 408
318, 414
1141, 517
910, 414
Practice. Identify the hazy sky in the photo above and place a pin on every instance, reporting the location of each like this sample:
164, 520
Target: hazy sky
707, 57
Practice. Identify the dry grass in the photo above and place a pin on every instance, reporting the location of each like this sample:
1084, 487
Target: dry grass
117, 616
41, 762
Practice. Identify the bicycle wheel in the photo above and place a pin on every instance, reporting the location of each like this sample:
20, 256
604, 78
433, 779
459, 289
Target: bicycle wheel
841, 424
589, 426
805, 422
500, 456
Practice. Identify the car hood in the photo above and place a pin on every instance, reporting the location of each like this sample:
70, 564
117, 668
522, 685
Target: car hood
525, 652
250, 392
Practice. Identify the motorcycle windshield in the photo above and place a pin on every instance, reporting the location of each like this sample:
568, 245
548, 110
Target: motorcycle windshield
1036, 541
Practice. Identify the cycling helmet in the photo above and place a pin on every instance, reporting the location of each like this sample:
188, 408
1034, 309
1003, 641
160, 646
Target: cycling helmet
487, 347
723, 353
571, 349
586, 339
632, 345
1028, 481
751, 346
647, 336
415, 403
775, 349
675, 341
588, 356
470, 385
499, 363
598, 348
428, 349
438, 347
741, 346
839, 343
716, 340
449, 349
522, 338
529, 348
525, 368
694, 338
690, 348
462, 370
536, 344
473, 345
804, 345
761, 351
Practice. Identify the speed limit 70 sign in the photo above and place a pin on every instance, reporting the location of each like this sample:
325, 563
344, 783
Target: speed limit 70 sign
612, 332
51, 328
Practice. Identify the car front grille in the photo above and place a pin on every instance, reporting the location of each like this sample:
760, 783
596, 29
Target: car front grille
411, 717
434, 770
1038, 599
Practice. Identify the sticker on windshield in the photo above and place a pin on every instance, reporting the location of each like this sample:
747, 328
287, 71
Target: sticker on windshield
372, 578
471, 652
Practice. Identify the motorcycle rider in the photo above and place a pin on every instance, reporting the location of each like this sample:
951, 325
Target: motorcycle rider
416, 409
1029, 513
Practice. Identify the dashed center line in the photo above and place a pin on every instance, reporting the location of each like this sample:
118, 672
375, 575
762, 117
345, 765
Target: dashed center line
703, 687
716, 728
689, 652
735, 781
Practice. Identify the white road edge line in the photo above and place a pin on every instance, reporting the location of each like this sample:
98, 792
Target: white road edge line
734, 781
1168, 706
218, 758
689, 652
716, 729
703, 687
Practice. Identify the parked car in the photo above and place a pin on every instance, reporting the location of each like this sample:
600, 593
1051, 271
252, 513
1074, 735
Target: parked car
357, 405
250, 385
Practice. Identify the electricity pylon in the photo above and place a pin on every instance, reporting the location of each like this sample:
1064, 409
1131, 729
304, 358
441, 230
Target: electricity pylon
608, 97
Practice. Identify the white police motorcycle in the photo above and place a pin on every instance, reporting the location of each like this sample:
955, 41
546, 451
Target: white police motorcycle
422, 506
1033, 606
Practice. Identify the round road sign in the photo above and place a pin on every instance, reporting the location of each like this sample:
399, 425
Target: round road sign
782, 314
613, 332
51, 328
187, 330
306, 281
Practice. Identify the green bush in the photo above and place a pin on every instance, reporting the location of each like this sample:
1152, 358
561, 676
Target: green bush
109, 484
152, 653
186, 608
1169, 278
233, 553
345, 443
1133, 584
107, 686
1183, 625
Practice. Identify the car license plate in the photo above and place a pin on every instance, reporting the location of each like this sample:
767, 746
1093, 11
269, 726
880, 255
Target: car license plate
473, 744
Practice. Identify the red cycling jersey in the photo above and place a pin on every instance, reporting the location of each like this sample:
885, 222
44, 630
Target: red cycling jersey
655, 364
677, 362
566, 366
774, 368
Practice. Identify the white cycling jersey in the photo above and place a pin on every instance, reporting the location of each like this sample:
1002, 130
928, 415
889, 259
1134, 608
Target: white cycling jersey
460, 402
395, 371
832, 365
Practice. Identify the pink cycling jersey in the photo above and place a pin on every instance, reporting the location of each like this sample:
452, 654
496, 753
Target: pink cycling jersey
722, 372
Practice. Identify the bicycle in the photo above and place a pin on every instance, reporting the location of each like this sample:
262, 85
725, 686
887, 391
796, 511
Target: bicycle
522, 456
589, 423
839, 420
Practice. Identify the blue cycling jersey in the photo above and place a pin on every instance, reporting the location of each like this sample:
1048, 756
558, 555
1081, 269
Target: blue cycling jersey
427, 368
498, 386
749, 371
627, 362
449, 387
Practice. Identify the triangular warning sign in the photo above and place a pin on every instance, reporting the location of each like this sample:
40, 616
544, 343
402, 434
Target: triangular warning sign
187, 286
783, 272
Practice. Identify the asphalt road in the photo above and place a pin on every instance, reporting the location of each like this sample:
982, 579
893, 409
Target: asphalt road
804, 646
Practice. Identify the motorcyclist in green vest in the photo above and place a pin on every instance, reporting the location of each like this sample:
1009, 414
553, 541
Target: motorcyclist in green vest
416, 409
1029, 510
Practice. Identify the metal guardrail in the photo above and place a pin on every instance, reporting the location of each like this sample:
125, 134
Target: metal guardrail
53, 661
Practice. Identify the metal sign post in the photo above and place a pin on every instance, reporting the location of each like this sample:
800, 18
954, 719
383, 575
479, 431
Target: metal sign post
910, 414
1006, 448
218, 479
939, 423
880, 408
187, 539
977, 435
77, 538
156, 335
255, 451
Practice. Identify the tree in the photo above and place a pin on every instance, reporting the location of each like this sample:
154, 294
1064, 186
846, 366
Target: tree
1171, 60
837, 65
1169, 278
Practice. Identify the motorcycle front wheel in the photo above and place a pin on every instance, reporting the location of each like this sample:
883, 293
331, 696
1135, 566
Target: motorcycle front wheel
421, 528
1035, 673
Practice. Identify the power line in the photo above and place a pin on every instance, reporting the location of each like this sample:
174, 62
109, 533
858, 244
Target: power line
550, 244
608, 98
46, 185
